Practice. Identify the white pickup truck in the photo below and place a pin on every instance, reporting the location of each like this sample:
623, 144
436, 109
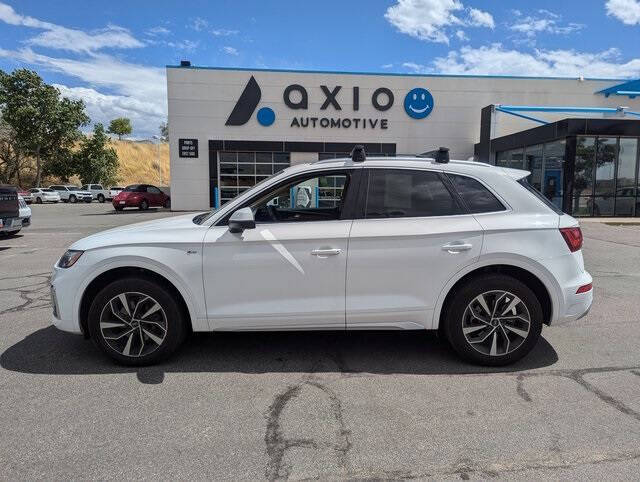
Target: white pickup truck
97, 192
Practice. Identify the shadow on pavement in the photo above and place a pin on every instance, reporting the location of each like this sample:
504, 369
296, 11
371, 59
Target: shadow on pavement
49, 351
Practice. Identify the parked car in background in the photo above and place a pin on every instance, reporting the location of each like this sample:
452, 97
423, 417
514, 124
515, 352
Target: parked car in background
141, 196
98, 193
114, 191
24, 212
26, 195
10, 221
44, 195
72, 194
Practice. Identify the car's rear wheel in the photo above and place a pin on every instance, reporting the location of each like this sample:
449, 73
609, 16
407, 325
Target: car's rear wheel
144, 205
72, 199
167, 203
493, 320
101, 198
136, 321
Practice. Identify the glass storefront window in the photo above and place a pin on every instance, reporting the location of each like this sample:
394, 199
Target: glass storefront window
512, 158
533, 163
554, 171
585, 154
606, 152
626, 187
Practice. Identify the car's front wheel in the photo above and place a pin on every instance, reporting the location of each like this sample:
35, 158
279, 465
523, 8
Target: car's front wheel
72, 199
101, 198
136, 321
38, 200
493, 320
144, 205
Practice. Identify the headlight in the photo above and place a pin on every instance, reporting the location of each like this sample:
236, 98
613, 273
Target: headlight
69, 258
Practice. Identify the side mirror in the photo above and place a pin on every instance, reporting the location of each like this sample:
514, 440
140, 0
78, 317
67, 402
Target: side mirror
241, 219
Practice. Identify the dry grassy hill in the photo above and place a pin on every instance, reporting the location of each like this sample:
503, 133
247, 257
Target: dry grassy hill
140, 162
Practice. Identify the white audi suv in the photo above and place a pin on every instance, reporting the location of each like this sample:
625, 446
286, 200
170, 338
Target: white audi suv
404, 243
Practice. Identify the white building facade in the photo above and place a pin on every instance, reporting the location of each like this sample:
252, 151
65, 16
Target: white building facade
231, 128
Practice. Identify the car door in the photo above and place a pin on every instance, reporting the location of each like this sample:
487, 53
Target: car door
413, 236
288, 272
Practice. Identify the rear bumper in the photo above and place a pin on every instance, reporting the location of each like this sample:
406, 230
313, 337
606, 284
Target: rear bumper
576, 305
8, 225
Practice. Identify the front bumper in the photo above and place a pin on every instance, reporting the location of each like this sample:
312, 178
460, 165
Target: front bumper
64, 287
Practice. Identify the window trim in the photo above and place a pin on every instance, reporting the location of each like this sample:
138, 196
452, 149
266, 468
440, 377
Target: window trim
363, 195
507, 207
351, 189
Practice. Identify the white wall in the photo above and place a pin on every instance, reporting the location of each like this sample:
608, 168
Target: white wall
200, 100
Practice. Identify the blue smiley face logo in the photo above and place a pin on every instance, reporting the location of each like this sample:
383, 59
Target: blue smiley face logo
418, 103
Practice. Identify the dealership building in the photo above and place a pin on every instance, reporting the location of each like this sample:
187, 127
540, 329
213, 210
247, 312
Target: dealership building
231, 128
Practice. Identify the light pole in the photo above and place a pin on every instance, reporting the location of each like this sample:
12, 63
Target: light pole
158, 139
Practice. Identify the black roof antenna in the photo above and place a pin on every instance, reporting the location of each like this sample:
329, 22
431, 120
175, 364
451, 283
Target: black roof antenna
358, 154
442, 155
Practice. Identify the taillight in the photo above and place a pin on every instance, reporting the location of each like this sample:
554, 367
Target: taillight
573, 238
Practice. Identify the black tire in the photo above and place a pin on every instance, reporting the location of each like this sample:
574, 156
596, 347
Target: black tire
145, 288
118, 208
457, 314
101, 198
88, 200
144, 205
73, 199
167, 203
38, 200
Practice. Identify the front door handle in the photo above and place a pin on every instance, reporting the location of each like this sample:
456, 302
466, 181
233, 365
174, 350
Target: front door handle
457, 247
326, 252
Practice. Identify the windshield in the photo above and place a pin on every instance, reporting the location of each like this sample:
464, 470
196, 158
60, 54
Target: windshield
132, 188
47, 190
73, 187
201, 219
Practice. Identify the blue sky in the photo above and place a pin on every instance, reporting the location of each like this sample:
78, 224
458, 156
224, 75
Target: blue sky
112, 54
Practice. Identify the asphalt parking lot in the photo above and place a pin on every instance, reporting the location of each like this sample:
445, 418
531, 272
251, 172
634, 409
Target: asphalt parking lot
315, 405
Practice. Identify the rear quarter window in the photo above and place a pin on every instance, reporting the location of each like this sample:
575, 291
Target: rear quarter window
475, 195
524, 183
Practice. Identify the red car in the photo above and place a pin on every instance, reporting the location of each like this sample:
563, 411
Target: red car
140, 196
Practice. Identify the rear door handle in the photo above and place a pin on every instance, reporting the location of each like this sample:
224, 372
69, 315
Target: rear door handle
457, 247
326, 252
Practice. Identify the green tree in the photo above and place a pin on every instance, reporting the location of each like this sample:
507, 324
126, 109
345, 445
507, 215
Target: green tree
96, 161
41, 123
164, 131
120, 127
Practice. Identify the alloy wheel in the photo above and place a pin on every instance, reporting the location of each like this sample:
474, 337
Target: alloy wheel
496, 323
133, 324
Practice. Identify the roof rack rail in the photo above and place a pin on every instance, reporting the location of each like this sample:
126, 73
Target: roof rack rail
440, 155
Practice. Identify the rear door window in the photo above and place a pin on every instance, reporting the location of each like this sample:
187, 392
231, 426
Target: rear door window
475, 195
399, 193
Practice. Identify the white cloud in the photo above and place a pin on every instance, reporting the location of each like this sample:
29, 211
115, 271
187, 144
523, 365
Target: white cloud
230, 50
430, 20
58, 37
186, 45
478, 18
159, 30
496, 60
138, 88
386, 66
545, 21
627, 11
461, 36
223, 32
199, 24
